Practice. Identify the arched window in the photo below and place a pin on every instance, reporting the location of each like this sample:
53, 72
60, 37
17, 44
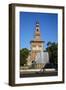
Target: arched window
37, 29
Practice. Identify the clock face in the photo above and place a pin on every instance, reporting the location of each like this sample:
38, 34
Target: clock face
37, 48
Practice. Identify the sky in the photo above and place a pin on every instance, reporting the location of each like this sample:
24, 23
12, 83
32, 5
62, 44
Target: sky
48, 27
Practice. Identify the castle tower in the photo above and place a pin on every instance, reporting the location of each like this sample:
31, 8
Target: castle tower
37, 45
37, 53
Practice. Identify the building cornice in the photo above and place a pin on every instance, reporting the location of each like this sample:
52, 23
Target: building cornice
32, 41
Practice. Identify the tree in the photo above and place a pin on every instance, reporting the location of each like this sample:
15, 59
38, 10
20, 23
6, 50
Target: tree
23, 56
53, 52
49, 44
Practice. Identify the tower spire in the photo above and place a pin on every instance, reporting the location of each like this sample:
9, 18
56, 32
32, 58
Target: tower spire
37, 32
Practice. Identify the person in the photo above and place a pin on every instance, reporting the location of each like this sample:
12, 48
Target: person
33, 64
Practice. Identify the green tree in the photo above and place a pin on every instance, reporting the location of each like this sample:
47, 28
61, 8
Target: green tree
49, 44
53, 52
23, 56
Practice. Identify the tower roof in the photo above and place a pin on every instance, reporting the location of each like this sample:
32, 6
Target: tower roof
37, 24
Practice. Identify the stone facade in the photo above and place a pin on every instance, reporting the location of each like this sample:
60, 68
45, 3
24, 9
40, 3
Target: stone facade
37, 46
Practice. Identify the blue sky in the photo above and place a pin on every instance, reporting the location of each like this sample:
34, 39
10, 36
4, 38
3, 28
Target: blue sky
48, 27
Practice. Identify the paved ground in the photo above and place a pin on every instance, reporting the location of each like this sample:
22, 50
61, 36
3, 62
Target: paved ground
37, 74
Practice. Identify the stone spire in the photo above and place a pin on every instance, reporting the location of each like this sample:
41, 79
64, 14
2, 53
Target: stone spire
37, 32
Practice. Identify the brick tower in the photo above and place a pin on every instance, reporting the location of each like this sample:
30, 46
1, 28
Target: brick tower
37, 45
